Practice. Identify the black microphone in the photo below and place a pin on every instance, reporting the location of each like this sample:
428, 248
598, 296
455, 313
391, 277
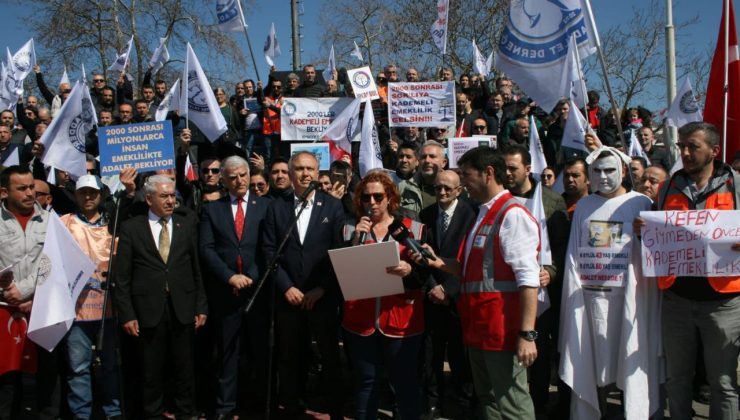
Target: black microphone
363, 235
400, 233
313, 185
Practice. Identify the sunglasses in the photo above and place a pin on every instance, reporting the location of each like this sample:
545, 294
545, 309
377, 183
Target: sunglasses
440, 130
258, 185
213, 171
378, 197
98, 80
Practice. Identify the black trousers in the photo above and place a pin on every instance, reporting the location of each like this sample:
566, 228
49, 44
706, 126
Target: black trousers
173, 341
294, 327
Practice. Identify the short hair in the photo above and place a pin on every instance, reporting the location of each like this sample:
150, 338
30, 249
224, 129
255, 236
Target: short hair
150, 186
140, 101
277, 160
409, 145
518, 149
125, 104
293, 76
89, 158
146, 86
254, 85
160, 82
107, 111
234, 161
13, 170
309, 65
107, 88
482, 157
711, 135
642, 160
389, 187
340, 165
434, 143
291, 162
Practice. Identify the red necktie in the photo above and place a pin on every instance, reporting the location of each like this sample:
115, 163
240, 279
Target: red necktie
239, 225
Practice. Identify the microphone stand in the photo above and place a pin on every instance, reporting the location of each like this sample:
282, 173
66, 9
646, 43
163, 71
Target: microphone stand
271, 268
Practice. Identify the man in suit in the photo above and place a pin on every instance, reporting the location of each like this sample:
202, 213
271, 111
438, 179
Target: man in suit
307, 288
447, 223
230, 246
160, 298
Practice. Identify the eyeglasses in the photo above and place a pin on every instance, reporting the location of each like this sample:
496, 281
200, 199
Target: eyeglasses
378, 197
440, 130
481, 127
213, 171
98, 80
440, 188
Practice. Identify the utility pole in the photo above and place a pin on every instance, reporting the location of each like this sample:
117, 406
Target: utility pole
296, 36
670, 50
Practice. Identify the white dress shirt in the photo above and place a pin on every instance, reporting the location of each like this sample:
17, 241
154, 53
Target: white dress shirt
519, 237
157, 228
450, 211
302, 222
234, 202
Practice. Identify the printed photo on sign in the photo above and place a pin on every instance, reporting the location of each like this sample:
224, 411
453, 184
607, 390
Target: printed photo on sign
320, 150
603, 234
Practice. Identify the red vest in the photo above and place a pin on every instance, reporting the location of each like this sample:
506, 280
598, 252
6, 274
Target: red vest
398, 315
722, 198
271, 119
489, 297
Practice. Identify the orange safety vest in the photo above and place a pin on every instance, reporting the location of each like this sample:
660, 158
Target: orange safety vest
400, 315
271, 118
673, 197
489, 297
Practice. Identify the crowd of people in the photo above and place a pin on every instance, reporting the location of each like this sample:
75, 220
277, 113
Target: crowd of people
191, 256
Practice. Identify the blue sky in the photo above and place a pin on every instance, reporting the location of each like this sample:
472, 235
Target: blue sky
260, 15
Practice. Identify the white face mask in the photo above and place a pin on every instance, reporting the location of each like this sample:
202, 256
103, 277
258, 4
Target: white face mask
605, 175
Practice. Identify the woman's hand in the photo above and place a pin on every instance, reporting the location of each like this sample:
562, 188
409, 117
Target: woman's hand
363, 226
403, 269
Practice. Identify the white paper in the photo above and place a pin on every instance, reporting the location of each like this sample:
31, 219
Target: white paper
459, 145
361, 270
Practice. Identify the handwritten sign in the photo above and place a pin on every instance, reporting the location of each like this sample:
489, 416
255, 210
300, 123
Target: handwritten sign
459, 145
146, 146
306, 119
421, 104
694, 243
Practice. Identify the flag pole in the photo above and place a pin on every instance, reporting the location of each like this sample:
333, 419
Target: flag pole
249, 43
670, 44
725, 93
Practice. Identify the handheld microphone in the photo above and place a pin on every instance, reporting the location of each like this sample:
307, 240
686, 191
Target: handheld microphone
313, 185
363, 235
400, 233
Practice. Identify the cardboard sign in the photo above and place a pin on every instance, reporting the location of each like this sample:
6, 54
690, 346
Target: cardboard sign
146, 146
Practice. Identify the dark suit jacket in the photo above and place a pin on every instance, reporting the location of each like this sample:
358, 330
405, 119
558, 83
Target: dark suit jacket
220, 248
141, 274
306, 266
462, 220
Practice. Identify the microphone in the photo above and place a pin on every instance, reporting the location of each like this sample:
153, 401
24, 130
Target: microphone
363, 235
313, 185
400, 233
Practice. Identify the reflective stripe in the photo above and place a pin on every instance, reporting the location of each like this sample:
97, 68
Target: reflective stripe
489, 286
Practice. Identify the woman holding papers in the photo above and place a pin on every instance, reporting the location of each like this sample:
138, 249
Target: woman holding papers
386, 330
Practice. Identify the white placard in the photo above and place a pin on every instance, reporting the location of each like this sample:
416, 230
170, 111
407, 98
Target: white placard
363, 84
306, 119
457, 146
361, 270
421, 104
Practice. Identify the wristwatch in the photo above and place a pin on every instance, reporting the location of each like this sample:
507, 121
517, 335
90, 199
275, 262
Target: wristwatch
528, 335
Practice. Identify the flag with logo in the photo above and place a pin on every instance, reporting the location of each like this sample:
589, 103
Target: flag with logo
62, 273
331, 66
481, 65
528, 48
122, 58
340, 132
64, 139
539, 163
160, 56
684, 108
714, 104
357, 53
230, 16
170, 102
197, 100
576, 127
439, 27
272, 47
16, 69
370, 157
572, 84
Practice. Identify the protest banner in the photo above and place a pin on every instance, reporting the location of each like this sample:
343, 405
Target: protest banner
363, 84
694, 243
457, 146
306, 119
146, 146
320, 150
421, 104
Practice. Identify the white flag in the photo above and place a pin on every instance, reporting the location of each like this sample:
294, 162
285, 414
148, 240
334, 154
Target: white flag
539, 163
160, 56
527, 49
574, 133
439, 27
170, 102
122, 59
65, 77
331, 66
64, 139
572, 84
341, 130
537, 208
230, 16
272, 47
63, 271
18, 66
84, 75
481, 65
370, 157
51, 177
357, 53
677, 166
13, 158
201, 105
636, 148
684, 108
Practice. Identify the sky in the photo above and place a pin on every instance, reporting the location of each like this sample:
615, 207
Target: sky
260, 15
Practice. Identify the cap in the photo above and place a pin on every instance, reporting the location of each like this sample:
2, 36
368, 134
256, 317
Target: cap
89, 181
